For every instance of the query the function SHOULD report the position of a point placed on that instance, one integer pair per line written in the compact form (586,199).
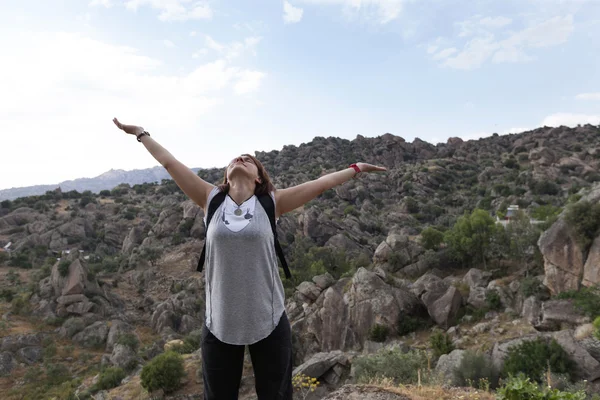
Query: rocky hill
(418,266)
(107,180)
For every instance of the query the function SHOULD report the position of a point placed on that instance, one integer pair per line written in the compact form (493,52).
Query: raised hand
(130,129)
(364,167)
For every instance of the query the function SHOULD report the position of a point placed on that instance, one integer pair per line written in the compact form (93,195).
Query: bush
(584,218)
(63,268)
(533,357)
(477,370)
(597,328)
(531,286)
(109,378)
(190,344)
(20,306)
(441,343)
(379,333)
(431,238)
(521,388)
(587,300)
(408,324)
(165,372)
(7,295)
(492,299)
(390,363)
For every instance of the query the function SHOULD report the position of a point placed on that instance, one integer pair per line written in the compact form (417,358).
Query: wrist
(356,169)
(139,135)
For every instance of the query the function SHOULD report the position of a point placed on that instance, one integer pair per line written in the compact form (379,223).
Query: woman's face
(243,164)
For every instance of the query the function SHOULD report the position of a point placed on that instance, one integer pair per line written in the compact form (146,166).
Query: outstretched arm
(191,184)
(291,198)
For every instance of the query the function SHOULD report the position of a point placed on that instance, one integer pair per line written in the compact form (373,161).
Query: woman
(244,294)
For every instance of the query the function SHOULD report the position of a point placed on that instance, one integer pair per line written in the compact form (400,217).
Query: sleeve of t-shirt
(211,196)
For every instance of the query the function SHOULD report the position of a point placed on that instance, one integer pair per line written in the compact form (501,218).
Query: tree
(521,236)
(431,238)
(470,237)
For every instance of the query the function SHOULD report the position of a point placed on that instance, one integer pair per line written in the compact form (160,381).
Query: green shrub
(129,340)
(441,343)
(63,268)
(521,388)
(477,370)
(50,351)
(57,374)
(379,333)
(533,357)
(431,238)
(109,378)
(408,324)
(584,218)
(20,306)
(7,295)
(390,363)
(165,372)
(597,328)
(587,300)
(492,299)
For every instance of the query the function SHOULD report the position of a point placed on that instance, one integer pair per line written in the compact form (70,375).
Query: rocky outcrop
(563,258)
(181,313)
(446,365)
(555,315)
(343,314)
(93,336)
(326,367)
(591,269)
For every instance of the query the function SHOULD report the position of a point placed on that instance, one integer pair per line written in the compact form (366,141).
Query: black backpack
(266,201)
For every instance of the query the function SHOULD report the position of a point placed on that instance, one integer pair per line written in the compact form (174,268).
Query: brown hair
(265,185)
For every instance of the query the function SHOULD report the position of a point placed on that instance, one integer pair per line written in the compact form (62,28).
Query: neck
(241,191)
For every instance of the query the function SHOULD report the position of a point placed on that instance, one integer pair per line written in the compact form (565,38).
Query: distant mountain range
(107,180)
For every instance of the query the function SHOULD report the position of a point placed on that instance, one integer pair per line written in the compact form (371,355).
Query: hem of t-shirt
(252,342)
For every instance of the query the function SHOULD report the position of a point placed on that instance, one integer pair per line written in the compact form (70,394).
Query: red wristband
(358,171)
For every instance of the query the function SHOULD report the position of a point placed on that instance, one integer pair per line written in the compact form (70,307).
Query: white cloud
(485,45)
(104,3)
(193,33)
(382,11)
(175,10)
(495,22)
(235,49)
(571,120)
(199,53)
(445,53)
(291,14)
(69,86)
(168,43)
(588,96)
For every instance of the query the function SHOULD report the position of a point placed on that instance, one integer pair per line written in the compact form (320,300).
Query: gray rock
(122,356)
(323,281)
(93,336)
(30,355)
(560,314)
(445,310)
(447,364)
(117,328)
(309,290)
(7,363)
(71,326)
(477,278)
(320,363)
(16,342)
(477,297)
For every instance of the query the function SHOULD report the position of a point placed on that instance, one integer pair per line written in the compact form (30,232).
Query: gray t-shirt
(244,294)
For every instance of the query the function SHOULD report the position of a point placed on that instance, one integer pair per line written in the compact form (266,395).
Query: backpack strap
(216,201)
(266,201)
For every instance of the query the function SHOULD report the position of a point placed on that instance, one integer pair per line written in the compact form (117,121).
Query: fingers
(117,123)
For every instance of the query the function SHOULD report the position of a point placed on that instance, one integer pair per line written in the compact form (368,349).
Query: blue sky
(213,79)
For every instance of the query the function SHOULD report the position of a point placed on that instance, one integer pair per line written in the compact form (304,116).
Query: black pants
(222,365)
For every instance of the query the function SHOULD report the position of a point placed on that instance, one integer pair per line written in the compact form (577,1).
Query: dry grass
(415,392)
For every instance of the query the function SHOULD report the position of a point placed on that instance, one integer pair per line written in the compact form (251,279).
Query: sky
(212,79)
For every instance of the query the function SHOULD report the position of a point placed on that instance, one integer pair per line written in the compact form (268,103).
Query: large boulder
(591,269)
(16,342)
(123,357)
(445,309)
(323,364)
(344,313)
(587,367)
(563,258)
(477,278)
(30,355)
(557,315)
(446,365)
(93,336)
